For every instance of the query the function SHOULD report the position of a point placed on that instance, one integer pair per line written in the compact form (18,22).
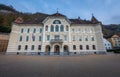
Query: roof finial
(57,10)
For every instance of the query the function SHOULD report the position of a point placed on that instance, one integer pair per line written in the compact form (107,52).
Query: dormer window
(56,22)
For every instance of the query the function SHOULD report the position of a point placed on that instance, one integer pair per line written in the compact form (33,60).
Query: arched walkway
(47,49)
(56,49)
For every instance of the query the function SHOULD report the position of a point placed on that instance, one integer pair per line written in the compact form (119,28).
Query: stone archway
(47,49)
(66,50)
(56,49)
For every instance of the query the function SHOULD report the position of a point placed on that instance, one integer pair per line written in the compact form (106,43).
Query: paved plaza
(60,66)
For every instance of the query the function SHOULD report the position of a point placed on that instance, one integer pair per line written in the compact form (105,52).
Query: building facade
(115,41)
(3,42)
(56,35)
(108,45)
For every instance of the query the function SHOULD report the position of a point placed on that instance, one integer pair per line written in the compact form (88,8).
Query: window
(40,30)
(80,38)
(32,48)
(28,31)
(57,28)
(92,38)
(19,47)
(87,47)
(52,28)
(74,47)
(48,37)
(67,28)
(57,37)
(81,47)
(39,47)
(56,22)
(86,38)
(61,28)
(79,30)
(27,38)
(26,47)
(22,30)
(65,38)
(93,46)
(20,38)
(46,28)
(85,30)
(40,38)
(73,30)
(34,31)
(73,38)
(33,37)
(92,30)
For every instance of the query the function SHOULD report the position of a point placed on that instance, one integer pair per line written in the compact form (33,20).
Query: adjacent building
(3,42)
(56,35)
(115,41)
(108,45)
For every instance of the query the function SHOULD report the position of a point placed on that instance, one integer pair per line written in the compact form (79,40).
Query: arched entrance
(56,49)
(47,49)
(66,50)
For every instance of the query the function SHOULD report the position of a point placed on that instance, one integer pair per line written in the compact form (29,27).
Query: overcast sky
(106,11)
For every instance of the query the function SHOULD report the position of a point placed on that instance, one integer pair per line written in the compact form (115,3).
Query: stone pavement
(60,66)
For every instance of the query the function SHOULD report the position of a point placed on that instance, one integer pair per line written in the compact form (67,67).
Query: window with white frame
(65,37)
(48,37)
(86,38)
(80,38)
(74,38)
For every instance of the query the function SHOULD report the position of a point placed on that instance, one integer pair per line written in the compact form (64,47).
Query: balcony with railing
(56,41)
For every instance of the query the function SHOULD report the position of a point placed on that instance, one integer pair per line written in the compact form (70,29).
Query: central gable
(56,19)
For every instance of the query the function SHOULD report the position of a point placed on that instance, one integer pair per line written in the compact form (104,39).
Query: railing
(56,41)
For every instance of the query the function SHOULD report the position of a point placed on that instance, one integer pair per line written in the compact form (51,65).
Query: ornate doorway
(56,49)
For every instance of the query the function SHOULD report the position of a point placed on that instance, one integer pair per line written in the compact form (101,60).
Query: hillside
(8,14)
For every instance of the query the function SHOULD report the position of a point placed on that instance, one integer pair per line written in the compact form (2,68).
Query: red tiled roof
(38,20)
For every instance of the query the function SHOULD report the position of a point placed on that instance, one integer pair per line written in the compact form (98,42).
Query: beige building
(3,42)
(56,35)
(115,41)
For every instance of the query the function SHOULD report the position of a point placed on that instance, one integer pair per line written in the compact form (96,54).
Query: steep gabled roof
(94,20)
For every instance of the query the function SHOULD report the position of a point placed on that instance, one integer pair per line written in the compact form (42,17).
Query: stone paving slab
(60,66)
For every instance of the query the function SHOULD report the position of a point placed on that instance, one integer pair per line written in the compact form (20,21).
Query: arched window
(86,38)
(81,47)
(19,47)
(22,30)
(57,28)
(34,31)
(87,47)
(20,38)
(67,28)
(92,38)
(93,46)
(61,28)
(28,31)
(56,22)
(26,47)
(32,47)
(74,47)
(52,28)
(46,28)
(40,38)
(27,38)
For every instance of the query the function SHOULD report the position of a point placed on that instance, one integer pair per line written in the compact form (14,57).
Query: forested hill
(8,14)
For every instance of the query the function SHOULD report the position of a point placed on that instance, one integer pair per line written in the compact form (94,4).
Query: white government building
(56,35)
